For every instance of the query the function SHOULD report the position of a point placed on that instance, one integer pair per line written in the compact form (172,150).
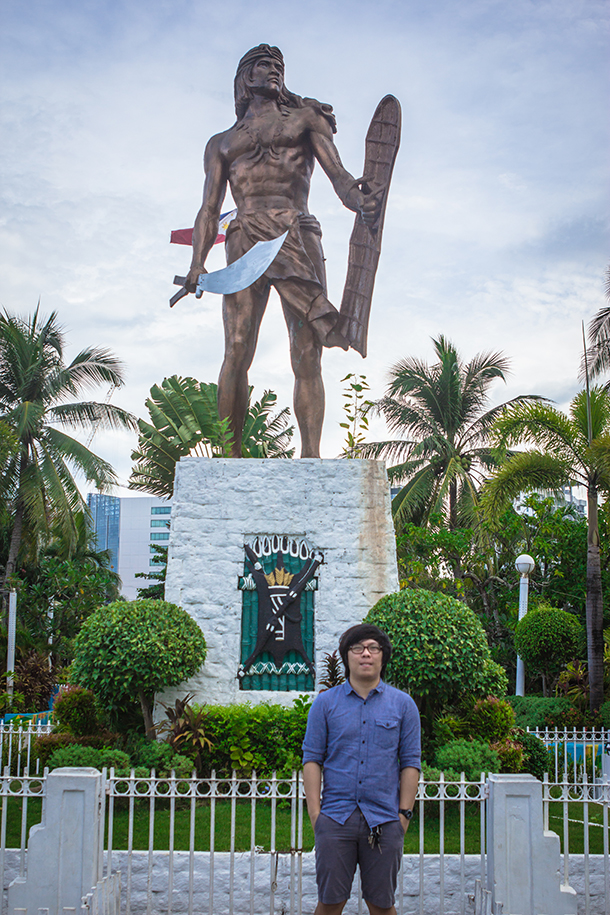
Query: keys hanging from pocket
(375,838)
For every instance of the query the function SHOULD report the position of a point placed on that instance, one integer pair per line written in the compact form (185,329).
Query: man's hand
(193,277)
(312,782)
(404,822)
(367,205)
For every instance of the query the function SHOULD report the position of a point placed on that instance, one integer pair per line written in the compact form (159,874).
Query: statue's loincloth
(300,256)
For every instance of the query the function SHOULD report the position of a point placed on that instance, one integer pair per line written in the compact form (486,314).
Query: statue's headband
(261,50)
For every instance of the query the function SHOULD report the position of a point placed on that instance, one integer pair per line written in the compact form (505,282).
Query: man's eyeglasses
(372,649)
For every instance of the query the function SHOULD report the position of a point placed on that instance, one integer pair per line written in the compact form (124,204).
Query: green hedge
(266,738)
(538,712)
(532,711)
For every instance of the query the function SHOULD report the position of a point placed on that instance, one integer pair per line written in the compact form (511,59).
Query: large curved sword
(238,275)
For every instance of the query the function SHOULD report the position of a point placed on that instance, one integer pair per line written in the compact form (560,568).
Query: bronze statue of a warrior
(267,157)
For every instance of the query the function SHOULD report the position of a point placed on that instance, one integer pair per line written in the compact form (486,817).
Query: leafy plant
(356,410)
(8,703)
(535,755)
(491,719)
(76,711)
(186,727)
(332,671)
(184,420)
(56,595)
(106,757)
(468,756)
(34,680)
(510,753)
(573,684)
(301,704)
(136,648)
(46,744)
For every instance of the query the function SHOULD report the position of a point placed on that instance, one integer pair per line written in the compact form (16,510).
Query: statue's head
(260,71)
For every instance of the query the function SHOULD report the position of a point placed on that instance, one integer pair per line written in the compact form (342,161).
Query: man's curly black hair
(364,631)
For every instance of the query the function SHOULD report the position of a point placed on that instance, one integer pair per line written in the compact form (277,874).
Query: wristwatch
(407,814)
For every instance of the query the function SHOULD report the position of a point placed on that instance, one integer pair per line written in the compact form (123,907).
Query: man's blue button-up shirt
(362,745)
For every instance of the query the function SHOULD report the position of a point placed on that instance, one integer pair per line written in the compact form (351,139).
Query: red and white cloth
(185,236)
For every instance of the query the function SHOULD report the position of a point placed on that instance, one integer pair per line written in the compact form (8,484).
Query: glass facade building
(106,520)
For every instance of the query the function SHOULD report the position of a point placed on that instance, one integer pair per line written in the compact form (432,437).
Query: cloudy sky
(497,228)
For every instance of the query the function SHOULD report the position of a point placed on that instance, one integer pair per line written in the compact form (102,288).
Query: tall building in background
(105,515)
(144,522)
(130,528)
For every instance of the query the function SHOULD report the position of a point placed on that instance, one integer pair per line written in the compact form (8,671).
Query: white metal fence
(243,845)
(573,751)
(235,845)
(16,742)
(104,898)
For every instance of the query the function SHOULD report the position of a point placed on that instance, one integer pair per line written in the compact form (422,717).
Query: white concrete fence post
(63,858)
(523,859)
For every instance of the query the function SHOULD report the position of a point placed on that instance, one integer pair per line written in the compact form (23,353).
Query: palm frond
(526,471)
(93,416)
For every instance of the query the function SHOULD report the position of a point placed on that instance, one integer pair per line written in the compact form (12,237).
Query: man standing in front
(366,736)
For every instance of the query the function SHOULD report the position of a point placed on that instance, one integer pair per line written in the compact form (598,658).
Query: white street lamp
(524,565)
(10,654)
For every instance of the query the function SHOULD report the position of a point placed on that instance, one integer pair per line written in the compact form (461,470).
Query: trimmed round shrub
(439,646)
(468,756)
(137,648)
(76,712)
(547,638)
(88,756)
(491,719)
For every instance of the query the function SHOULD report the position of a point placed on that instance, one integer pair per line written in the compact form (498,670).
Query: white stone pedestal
(523,861)
(63,859)
(341,507)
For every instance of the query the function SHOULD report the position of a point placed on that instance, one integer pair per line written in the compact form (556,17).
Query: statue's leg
(306,359)
(242,313)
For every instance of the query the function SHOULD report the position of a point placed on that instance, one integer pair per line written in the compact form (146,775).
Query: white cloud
(496,231)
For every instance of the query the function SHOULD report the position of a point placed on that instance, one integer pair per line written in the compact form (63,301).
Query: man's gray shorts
(338,850)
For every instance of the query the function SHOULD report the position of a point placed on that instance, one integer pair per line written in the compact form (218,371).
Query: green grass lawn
(282,842)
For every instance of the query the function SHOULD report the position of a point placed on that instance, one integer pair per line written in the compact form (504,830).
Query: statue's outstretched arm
(205,230)
(346,186)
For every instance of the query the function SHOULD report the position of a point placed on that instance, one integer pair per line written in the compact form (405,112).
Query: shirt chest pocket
(385,733)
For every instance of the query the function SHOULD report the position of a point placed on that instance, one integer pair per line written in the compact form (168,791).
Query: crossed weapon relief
(279,608)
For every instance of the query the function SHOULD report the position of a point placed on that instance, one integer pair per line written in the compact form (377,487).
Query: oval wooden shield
(381,148)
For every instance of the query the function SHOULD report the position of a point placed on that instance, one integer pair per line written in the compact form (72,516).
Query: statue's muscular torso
(269,158)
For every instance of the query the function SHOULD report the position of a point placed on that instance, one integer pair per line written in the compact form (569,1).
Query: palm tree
(598,354)
(36,387)
(440,412)
(568,450)
(184,421)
